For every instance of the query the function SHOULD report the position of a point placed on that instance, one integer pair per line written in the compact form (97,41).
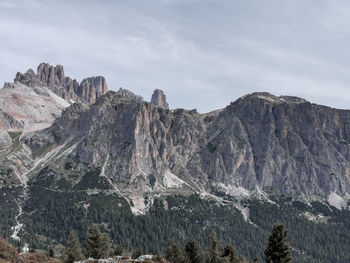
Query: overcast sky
(202,53)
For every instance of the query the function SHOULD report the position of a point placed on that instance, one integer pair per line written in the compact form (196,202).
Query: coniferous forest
(178,219)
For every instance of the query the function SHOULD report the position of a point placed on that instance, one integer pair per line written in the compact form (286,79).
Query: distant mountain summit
(34,100)
(65,87)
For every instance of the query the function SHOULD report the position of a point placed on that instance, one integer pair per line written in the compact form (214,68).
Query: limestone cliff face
(91,88)
(33,102)
(65,87)
(292,145)
(260,140)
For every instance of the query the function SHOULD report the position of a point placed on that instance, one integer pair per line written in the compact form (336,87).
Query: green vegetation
(278,250)
(119,250)
(136,253)
(192,252)
(320,242)
(15,136)
(9,210)
(97,245)
(73,249)
(92,180)
(174,254)
(53,213)
(36,152)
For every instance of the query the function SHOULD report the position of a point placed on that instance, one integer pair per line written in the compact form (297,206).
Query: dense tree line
(97,245)
(53,214)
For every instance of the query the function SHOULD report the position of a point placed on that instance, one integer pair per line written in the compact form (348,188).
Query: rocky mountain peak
(51,75)
(159,99)
(270,98)
(65,87)
(91,88)
(128,94)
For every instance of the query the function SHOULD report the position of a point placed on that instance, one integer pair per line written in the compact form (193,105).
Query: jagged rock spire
(159,99)
(53,77)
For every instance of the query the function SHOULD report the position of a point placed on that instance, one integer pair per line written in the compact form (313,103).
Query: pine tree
(97,245)
(213,253)
(73,250)
(158,257)
(136,253)
(51,253)
(231,254)
(119,250)
(192,252)
(278,250)
(174,254)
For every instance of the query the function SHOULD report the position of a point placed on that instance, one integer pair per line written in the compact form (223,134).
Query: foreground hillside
(9,255)
(149,174)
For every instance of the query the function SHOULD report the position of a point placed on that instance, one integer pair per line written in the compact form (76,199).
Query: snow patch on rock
(336,201)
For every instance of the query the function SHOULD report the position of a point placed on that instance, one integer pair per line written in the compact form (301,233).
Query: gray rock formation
(91,88)
(159,99)
(260,140)
(28,108)
(65,87)
(8,122)
(128,94)
(34,100)
(5,140)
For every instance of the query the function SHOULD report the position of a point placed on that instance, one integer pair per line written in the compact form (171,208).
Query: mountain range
(77,145)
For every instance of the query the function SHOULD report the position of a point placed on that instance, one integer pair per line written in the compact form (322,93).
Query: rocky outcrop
(8,122)
(159,99)
(50,75)
(128,94)
(5,139)
(65,87)
(91,88)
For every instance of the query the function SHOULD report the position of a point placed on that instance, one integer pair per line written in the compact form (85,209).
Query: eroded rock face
(34,100)
(65,87)
(91,88)
(8,122)
(50,75)
(28,108)
(259,140)
(159,99)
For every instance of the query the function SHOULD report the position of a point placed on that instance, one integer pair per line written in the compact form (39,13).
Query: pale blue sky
(202,53)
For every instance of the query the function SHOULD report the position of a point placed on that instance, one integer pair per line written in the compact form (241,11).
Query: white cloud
(204,54)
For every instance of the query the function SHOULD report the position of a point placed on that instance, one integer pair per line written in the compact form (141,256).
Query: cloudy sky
(202,53)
